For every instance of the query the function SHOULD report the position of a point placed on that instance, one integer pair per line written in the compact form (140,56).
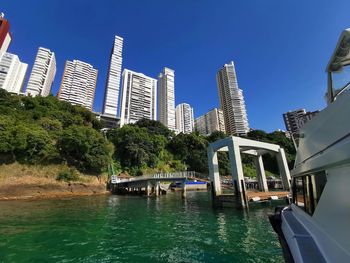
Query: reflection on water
(222,232)
(134,229)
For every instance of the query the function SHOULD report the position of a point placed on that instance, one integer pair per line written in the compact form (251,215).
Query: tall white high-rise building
(43,73)
(78,84)
(166,98)
(111,99)
(12,72)
(232,101)
(139,97)
(184,118)
(210,122)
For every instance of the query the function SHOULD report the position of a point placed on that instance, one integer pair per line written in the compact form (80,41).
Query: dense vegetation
(148,146)
(44,130)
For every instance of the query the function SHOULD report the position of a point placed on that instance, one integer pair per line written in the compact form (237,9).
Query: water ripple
(134,229)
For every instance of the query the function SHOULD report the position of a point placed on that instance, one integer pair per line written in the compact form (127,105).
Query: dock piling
(157,187)
(183,190)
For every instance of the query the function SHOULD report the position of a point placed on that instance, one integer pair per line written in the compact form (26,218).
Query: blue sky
(280,47)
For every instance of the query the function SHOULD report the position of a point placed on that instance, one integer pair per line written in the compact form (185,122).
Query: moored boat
(316,226)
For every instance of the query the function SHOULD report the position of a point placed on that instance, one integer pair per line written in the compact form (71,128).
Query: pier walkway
(151,184)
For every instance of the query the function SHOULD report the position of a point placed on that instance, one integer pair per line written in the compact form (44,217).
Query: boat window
(341,80)
(307,190)
(320,180)
(299,192)
(309,197)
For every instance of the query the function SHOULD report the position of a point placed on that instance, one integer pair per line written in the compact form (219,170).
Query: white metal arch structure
(235,146)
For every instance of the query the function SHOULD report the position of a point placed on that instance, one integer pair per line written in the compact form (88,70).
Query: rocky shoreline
(50,191)
(31,182)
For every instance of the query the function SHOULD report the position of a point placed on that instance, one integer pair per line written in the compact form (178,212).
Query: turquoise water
(135,229)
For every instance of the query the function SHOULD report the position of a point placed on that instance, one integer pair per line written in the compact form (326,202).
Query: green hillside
(46,131)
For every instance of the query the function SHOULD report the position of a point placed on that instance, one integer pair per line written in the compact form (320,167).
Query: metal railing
(184,174)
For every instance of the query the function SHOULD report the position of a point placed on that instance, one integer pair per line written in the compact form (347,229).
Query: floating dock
(251,197)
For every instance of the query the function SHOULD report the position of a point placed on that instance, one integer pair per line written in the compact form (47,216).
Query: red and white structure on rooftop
(5,36)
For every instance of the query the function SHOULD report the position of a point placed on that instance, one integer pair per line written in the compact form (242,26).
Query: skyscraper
(5,36)
(294,120)
(210,122)
(184,118)
(111,99)
(43,73)
(166,98)
(78,84)
(139,97)
(12,72)
(232,101)
(291,120)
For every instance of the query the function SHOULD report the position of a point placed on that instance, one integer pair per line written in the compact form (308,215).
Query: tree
(155,127)
(258,135)
(85,148)
(31,144)
(43,130)
(7,139)
(223,157)
(136,148)
(50,125)
(216,135)
(192,150)
(32,127)
(276,138)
